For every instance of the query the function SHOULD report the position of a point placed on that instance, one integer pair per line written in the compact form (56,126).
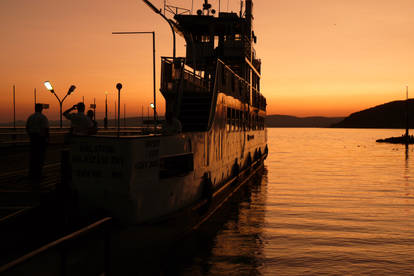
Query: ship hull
(144,178)
(125,178)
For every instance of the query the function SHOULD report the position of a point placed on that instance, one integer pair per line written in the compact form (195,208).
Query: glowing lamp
(49,86)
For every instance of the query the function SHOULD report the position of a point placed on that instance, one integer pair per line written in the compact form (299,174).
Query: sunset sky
(319,57)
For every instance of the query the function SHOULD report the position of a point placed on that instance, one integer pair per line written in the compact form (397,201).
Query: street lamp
(106,111)
(119,87)
(49,87)
(149,4)
(152,105)
(153,65)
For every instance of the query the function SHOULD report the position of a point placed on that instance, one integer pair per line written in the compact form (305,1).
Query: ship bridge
(219,55)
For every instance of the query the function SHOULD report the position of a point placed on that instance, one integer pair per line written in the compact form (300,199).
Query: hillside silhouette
(388,115)
(292,121)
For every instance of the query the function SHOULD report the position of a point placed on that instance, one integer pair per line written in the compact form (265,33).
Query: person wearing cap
(80,123)
(37,127)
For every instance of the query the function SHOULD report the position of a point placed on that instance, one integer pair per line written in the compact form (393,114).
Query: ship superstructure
(219,58)
(214,92)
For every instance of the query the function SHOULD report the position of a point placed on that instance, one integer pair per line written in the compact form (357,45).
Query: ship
(219,139)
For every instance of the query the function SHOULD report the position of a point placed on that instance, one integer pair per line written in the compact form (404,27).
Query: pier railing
(73,254)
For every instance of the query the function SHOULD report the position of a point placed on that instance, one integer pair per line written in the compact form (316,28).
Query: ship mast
(149,4)
(406,115)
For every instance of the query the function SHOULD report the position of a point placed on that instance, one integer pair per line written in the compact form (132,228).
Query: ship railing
(231,83)
(175,70)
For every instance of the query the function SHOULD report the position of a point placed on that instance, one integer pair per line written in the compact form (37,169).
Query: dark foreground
(44,236)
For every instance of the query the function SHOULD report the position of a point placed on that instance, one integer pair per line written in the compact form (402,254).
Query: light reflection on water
(330,202)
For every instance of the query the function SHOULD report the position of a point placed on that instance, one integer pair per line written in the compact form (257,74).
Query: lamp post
(149,4)
(106,111)
(94,108)
(155,115)
(119,87)
(14,107)
(153,65)
(49,87)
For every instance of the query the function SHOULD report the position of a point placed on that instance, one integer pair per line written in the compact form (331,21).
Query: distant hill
(389,115)
(292,121)
(271,121)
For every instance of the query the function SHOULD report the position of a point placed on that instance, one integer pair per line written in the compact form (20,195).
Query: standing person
(94,128)
(80,123)
(37,127)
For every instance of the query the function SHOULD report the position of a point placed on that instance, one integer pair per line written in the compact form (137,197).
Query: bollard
(63,190)
(65,173)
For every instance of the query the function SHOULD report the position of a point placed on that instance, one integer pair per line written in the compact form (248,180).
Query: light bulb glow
(48,86)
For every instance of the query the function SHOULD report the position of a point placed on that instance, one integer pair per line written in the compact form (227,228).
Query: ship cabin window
(229,37)
(253,120)
(237,120)
(205,38)
(246,120)
(233,120)
(228,119)
(262,123)
(237,37)
(257,122)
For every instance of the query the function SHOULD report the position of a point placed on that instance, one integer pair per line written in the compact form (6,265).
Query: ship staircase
(190,93)
(195,110)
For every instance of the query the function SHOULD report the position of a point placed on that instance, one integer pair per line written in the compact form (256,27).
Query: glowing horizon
(319,58)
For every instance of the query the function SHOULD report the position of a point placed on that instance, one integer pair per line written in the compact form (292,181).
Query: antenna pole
(14,107)
(149,4)
(241,8)
(153,68)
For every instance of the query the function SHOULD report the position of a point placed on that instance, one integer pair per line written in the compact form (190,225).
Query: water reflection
(332,202)
(232,242)
(406,154)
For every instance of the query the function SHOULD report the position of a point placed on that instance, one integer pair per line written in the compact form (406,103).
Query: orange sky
(319,57)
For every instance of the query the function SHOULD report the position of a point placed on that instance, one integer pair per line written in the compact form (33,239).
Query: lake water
(329,202)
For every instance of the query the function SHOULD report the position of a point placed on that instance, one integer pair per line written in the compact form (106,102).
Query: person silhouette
(37,127)
(80,123)
(94,128)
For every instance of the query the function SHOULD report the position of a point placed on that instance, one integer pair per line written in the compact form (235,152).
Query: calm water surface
(329,202)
